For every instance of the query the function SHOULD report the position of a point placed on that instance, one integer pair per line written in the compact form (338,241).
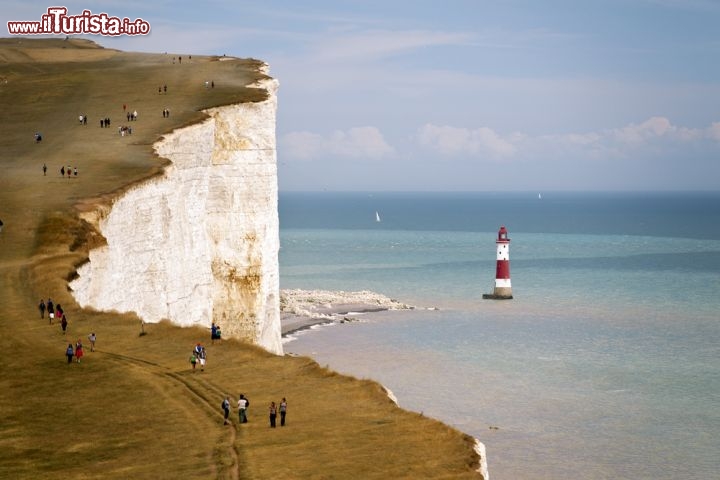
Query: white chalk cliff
(199,244)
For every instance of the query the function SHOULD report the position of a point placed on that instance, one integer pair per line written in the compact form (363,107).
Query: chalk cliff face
(199,244)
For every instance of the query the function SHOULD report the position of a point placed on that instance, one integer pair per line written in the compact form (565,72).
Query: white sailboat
(377,217)
(539,196)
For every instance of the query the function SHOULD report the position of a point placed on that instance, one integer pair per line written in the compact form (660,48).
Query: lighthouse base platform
(494,296)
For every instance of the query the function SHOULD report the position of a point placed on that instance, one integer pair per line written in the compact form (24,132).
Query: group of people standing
(56,311)
(198,355)
(282,407)
(215,333)
(53,311)
(70,170)
(78,353)
(243,404)
(131,117)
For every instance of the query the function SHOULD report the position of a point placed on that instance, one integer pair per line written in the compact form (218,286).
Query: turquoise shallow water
(604,365)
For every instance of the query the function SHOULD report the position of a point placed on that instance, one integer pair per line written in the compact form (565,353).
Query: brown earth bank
(134,408)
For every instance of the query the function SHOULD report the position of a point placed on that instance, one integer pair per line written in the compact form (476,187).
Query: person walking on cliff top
(64,323)
(193,360)
(201,355)
(242,409)
(44,169)
(58,311)
(51,310)
(226,410)
(283,411)
(69,353)
(41,307)
(273,414)
(78,350)
(92,338)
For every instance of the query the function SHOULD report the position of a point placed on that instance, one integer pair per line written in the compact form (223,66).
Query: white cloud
(651,137)
(713,131)
(453,141)
(358,142)
(656,128)
(649,129)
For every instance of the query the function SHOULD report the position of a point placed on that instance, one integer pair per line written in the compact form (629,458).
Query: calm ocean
(606,364)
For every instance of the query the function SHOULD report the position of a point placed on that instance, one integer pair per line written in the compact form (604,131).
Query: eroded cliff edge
(198,244)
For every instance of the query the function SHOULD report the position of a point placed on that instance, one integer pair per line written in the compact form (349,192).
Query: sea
(605,364)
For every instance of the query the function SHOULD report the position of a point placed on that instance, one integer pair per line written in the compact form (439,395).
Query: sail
(377,217)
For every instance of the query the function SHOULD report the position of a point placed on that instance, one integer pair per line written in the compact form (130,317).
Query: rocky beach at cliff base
(303,309)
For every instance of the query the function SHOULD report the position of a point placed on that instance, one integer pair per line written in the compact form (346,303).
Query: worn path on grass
(203,395)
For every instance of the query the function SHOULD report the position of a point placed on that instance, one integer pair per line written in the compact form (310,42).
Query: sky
(462,95)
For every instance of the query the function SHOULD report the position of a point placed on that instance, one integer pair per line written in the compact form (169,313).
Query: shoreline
(304,309)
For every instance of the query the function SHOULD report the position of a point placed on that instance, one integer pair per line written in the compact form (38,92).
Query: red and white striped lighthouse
(503,288)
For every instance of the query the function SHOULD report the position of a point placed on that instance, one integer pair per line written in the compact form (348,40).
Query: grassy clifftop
(133,408)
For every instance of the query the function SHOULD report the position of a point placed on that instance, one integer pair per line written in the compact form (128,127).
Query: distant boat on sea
(377,217)
(539,196)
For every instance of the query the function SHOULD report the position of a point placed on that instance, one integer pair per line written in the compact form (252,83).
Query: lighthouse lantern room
(503,287)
